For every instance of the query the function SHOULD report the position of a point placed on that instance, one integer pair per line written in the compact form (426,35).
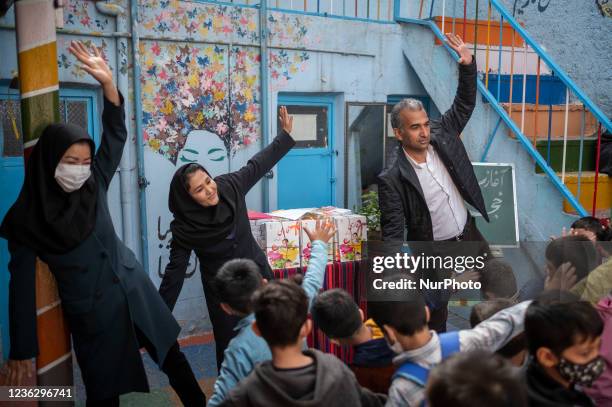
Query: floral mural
(184,88)
(284,65)
(191,86)
(83,14)
(199,20)
(187,87)
(290,30)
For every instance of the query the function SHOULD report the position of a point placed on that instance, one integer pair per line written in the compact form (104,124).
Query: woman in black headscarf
(210,217)
(111,306)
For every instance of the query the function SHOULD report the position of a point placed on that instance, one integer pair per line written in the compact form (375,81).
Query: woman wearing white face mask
(111,306)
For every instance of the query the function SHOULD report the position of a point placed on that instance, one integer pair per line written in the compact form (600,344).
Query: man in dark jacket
(425,189)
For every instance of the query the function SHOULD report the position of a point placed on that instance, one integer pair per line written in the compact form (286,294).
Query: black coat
(240,244)
(401,200)
(104,290)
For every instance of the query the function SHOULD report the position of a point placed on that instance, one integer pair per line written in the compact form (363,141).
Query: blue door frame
(11,179)
(318,183)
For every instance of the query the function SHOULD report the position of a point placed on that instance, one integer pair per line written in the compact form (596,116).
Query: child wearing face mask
(404,323)
(564,339)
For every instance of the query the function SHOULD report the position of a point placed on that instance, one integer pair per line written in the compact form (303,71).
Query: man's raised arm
(455,119)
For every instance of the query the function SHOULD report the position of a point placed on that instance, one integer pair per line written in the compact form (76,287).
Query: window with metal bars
(71,111)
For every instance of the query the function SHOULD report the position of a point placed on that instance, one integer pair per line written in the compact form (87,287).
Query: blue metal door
(76,106)
(306,175)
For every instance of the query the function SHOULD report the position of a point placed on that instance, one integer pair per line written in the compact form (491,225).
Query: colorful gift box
(306,246)
(351,233)
(288,246)
(281,242)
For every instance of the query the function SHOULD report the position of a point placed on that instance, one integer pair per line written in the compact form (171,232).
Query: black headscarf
(197,226)
(44,217)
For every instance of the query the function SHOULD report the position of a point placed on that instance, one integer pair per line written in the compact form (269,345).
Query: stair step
(481,37)
(557,121)
(587,188)
(508,64)
(572,156)
(552,89)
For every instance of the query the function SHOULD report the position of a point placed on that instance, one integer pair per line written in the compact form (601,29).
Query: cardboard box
(351,233)
(281,242)
(306,246)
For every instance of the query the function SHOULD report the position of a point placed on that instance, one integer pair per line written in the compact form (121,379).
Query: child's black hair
(281,308)
(476,378)
(336,313)
(497,279)
(235,283)
(557,320)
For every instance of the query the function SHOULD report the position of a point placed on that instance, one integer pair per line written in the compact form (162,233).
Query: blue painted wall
(218,48)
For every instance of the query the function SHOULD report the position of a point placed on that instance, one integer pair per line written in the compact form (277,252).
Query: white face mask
(71,177)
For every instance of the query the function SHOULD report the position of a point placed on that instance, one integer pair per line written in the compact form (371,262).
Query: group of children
(551,350)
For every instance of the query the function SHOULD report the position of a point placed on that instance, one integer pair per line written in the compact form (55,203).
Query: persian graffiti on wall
(521,5)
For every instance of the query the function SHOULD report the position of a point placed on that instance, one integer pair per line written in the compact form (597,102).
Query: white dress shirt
(445,203)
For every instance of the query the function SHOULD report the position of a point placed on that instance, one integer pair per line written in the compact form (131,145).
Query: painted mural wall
(201,98)
(201,94)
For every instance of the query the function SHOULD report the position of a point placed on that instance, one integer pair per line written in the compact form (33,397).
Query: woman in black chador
(111,306)
(210,217)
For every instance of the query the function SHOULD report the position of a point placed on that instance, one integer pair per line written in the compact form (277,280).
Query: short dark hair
(557,321)
(336,313)
(281,308)
(475,379)
(591,224)
(498,279)
(406,317)
(485,310)
(577,250)
(235,283)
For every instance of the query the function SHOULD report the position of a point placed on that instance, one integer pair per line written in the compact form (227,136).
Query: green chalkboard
(499,191)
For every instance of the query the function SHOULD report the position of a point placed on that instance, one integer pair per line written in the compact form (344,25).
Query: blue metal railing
(495,102)
(379,11)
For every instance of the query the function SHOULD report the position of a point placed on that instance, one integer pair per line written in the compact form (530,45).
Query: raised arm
(496,331)
(114,132)
(266,159)
(455,119)
(174,275)
(315,273)
(22,314)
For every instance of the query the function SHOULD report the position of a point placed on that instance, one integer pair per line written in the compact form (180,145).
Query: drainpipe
(142,181)
(265,104)
(125,166)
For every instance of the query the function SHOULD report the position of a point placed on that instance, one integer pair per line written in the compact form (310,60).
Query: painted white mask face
(71,177)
